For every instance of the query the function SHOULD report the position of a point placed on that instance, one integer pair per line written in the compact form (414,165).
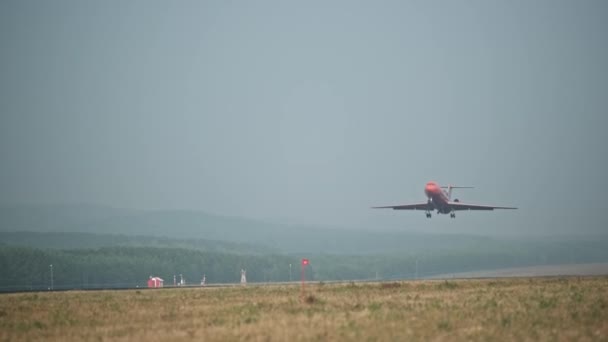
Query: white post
(243,277)
(51,276)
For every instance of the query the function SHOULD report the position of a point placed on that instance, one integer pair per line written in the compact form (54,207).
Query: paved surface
(594,269)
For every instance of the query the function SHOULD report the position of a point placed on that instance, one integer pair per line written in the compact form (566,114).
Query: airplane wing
(465,206)
(415,206)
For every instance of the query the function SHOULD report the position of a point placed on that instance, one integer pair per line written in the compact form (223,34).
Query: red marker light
(304,262)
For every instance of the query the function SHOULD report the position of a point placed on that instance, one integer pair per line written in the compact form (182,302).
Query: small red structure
(155,282)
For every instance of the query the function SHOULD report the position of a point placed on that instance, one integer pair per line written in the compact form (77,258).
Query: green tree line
(29,268)
(25,268)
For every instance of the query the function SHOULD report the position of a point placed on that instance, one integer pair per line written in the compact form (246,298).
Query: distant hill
(96,245)
(55,217)
(179,224)
(193,229)
(75,240)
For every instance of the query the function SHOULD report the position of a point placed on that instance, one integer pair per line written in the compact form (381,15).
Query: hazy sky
(310,111)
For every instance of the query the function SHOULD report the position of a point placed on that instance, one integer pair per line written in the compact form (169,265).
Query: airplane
(441,201)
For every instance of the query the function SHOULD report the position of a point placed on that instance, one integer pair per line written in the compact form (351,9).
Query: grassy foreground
(505,309)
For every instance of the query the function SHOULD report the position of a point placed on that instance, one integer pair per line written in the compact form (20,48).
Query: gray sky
(310,111)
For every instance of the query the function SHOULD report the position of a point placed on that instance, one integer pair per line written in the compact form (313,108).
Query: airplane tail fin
(450,187)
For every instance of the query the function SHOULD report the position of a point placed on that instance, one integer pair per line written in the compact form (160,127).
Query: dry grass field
(555,309)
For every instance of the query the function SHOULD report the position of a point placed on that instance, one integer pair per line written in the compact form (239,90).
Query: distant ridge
(76,240)
(182,225)
(86,239)
(185,224)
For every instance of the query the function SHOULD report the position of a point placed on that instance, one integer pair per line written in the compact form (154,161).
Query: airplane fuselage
(438,198)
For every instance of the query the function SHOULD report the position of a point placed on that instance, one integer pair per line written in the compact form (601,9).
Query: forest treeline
(28,268)
(93,247)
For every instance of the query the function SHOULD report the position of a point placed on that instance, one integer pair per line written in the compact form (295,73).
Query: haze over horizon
(310,113)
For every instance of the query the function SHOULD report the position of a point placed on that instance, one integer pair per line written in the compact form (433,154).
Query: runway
(590,269)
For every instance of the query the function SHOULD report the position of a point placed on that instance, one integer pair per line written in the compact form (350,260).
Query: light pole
(305,263)
(51,266)
(289,272)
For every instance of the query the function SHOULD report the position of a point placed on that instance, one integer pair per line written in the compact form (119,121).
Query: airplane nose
(430,189)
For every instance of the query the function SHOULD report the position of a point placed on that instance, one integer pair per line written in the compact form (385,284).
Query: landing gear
(453,215)
(429,207)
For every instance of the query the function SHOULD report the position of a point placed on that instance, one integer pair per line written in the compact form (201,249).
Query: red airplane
(441,200)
